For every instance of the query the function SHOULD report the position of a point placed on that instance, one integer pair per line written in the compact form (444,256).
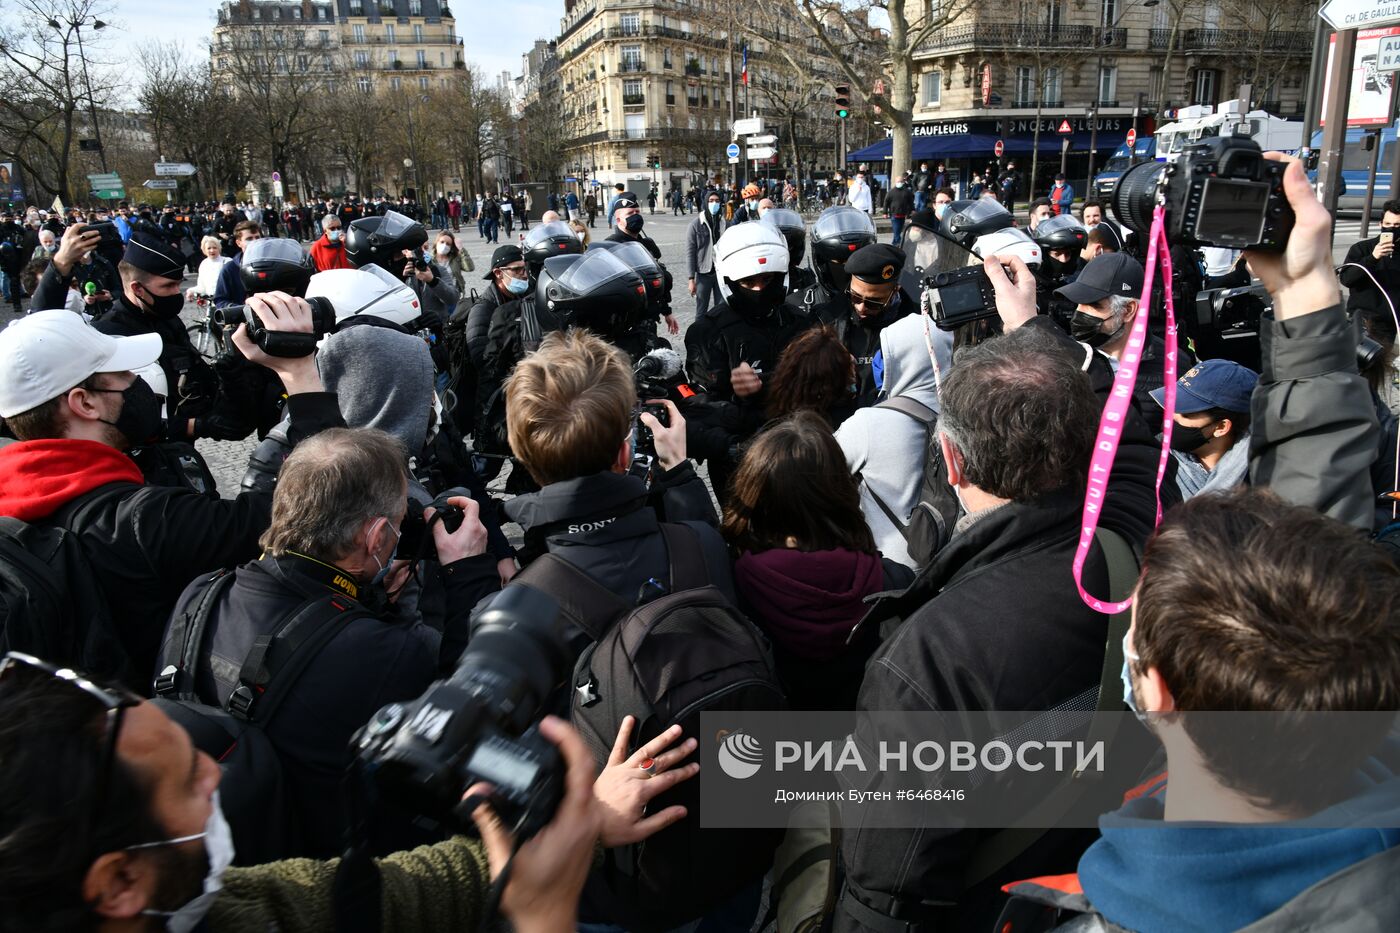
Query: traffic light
(843,101)
(656,161)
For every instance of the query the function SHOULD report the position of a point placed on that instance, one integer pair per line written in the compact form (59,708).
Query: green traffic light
(843,113)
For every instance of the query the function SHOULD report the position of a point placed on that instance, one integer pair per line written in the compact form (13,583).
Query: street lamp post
(87,79)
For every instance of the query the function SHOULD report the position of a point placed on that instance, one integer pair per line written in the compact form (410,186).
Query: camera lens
(231,316)
(1134,197)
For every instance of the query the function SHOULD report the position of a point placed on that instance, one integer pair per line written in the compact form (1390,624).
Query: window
(670,92)
(422,59)
(1108,86)
(357,8)
(1050,91)
(417,33)
(1025,86)
(442,59)
(636,155)
(389,32)
(303,63)
(933,10)
(422,84)
(278,39)
(1110,13)
(282,63)
(363,85)
(1155,89)
(1053,9)
(1204,91)
(631,24)
(415,7)
(296,12)
(933,88)
(632,93)
(631,58)
(392,57)
(358,31)
(325,37)
(326,63)
(666,57)
(361,59)
(1160,17)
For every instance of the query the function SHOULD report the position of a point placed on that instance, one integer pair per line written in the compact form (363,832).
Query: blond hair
(204,243)
(569,407)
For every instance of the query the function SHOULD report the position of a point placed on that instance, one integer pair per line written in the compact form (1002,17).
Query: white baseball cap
(47,353)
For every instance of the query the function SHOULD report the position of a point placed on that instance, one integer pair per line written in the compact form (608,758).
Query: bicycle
(206,334)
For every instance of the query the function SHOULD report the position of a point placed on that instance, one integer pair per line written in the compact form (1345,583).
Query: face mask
(384,567)
(333,235)
(752,303)
(1128,699)
(165,307)
(51,248)
(714,207)
(444,249)
(581,234)
(139,419)
(762,211)
(218,848)
(517,286)
(1054,268)
(1086,328)
(1185,440)
(634,224)
(939,210)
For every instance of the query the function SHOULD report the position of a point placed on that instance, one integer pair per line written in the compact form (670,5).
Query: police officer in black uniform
(837,234)
(873,300)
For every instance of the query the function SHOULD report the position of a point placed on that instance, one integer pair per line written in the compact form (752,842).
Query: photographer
(131,834)
(68,393)
(1377,257)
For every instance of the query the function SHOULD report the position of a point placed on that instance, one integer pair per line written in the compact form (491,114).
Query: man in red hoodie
(68,393)
(328,252)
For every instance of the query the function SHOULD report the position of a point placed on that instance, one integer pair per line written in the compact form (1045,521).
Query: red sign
(1131,138)
(999,148)
(986,85)
(1065,129)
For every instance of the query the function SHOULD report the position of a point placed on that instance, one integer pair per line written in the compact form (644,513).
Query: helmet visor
(394,225)
(268,249)
(1053,225)
(835,221)
(594,270)
(542,232)
(636,257)
(784,219)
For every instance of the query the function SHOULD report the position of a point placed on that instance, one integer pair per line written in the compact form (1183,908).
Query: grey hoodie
(383,378)
(886,448)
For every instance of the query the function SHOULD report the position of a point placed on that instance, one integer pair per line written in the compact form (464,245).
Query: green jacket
(440,887)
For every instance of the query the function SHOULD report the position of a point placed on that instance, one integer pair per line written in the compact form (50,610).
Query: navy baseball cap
(1110,274)
(1212,384)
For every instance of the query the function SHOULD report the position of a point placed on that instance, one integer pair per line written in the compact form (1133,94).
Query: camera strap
(1115,412)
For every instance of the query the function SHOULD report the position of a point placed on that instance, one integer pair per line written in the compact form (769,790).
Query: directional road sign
(105,180)
(732,150)
(174,169)
(767,140)
(748,127)
(762,152)
(107,194)
(161,184)
(999,148)
(1360,14)
(1388,54)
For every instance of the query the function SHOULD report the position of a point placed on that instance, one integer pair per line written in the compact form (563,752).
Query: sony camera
(961,296)
(416,532)
(279,343)
(479,724)
(1219,192)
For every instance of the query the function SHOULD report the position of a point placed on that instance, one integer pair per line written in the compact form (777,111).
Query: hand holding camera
(278,313)
(77,240)
(1300,278)
(1014,285)
(460,534)
(667,431)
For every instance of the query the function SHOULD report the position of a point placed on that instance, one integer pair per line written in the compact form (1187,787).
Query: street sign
(732,150)
(276,176)
(999,148)
(879,86)
(1360,14)
(1131,138)
(570,179)
(277,188)
(105,180)
(1065,129)
(174,169)
(1369,98)
(762,152)
(748,127)
(161,184)
(734,161)
(107,194)
(1388,54)
(767,140)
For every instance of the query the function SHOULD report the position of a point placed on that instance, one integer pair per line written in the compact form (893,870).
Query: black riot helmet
(546,240)
(965,221)
(790,225)
(637,258)
(1062,232)
(838,232)
(276,265)
(381,240)
(596,291)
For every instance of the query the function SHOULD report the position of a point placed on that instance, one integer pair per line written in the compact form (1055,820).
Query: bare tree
(474,125)
(192,118)
(49,87)
(1269,28)
(355,114)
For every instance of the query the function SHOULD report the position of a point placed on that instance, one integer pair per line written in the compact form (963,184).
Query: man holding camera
(1371,272)
(68,393)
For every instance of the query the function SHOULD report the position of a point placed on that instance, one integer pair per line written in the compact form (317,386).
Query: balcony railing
(1231,40)
(632,65)
(632,100)
(642,133)
(1025,35)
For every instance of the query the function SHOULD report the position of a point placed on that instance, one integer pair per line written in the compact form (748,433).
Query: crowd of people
(820,498)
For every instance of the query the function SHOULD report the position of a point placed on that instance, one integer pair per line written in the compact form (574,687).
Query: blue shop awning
(980,145)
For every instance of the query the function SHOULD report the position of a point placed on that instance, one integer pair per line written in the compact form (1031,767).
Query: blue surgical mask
(1128,699)
(517,286)
(384,567)
(714,207)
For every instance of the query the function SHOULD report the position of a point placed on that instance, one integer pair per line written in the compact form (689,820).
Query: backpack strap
(278,658)
(908,406)
(185,641)
(685,556)
(531,333)
(589,605)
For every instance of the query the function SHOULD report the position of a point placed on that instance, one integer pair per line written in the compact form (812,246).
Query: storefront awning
(982,145)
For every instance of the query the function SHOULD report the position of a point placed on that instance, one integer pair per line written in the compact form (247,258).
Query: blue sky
(495,33)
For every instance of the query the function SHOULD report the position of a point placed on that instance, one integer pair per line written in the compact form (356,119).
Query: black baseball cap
(504,256)
(1108,275)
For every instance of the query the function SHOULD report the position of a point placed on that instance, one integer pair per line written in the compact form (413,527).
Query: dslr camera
(280,343)
(1219,192)
(961,296)
(479,724)
(416,533)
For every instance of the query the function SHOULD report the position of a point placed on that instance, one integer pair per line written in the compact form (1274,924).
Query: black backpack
(935,513)
(665,661)
(263,825)
(50,605)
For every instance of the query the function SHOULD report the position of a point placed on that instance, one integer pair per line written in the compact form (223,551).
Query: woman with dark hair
(806,559)
(815,373)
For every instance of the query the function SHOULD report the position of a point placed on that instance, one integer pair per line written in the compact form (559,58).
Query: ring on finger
(648,767)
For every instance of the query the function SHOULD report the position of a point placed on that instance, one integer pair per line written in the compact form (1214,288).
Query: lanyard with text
(1115,412)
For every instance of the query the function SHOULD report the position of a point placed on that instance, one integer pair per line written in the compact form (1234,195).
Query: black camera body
(478,724)
(111,237)
(644,441)
(1219,192)
(416,532)
(961,296)
(279,343)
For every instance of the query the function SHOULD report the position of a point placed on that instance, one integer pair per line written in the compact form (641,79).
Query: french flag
(744,67)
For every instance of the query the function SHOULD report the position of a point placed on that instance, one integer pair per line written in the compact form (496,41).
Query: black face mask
(759,303)
(1086,328)
(165,307)
(1185,440)
(1056,269)
(139,419)
(633,224)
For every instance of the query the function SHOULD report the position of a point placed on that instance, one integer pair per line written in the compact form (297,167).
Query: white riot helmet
(1013,241)
(749,249)
(367,290)
(154,377)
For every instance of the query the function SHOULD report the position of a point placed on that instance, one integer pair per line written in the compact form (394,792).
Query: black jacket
(619,236)
(899,202)
(862,338)
(722,338)
(374,659)
(993,623)
(1362,293)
